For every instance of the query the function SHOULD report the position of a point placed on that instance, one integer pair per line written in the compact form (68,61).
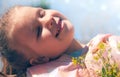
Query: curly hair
(14,63)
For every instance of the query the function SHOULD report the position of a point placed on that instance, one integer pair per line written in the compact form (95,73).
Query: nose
(46,21)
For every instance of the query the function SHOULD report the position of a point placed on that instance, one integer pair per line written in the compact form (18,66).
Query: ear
(39,60)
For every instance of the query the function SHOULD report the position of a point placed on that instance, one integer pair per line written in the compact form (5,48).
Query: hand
(73,70)
(96,40)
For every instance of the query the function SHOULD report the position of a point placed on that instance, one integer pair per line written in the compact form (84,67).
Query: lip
(59,25)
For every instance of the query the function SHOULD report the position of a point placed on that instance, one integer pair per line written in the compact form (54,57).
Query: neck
(74,46)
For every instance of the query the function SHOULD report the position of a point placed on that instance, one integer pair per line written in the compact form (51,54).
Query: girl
(31,36)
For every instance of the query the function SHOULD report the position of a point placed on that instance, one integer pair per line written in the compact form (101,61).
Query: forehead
(23,18)
(25,13)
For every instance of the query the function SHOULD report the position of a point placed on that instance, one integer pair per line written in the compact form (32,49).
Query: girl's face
(39,32)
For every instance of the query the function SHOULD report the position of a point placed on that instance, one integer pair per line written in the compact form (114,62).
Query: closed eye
(38,31)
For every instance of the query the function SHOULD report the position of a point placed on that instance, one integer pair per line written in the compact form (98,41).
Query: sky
(89,17)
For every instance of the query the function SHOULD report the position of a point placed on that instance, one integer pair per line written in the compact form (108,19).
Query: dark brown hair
(14,63)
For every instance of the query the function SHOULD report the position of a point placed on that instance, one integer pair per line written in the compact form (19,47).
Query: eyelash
(38,31)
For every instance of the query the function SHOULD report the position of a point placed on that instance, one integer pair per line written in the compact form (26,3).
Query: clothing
(63,67)
(76,53)
(111,48)
(79,52)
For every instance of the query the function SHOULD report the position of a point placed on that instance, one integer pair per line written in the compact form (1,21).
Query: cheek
(46,34)
(48,45)
(48,38)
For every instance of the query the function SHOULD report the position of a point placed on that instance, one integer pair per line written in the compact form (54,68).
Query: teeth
(59,27)
(57,33)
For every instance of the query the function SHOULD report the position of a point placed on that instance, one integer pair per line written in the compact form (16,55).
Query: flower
(108,69)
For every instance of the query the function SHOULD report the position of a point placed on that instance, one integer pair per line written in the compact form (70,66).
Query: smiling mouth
(59,27)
